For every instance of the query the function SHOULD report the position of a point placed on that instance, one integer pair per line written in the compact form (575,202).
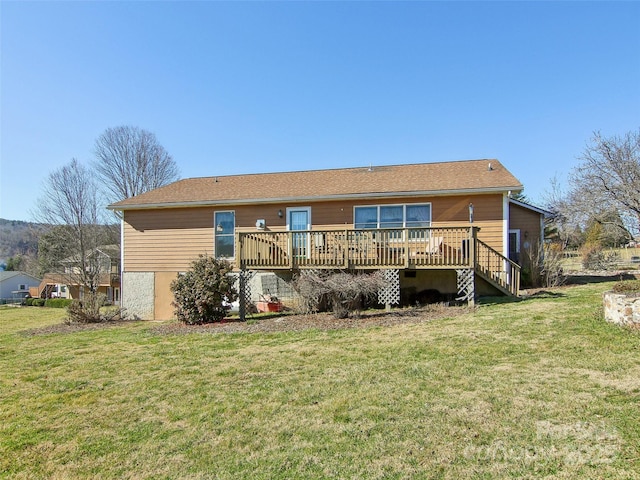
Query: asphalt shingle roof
(435,178)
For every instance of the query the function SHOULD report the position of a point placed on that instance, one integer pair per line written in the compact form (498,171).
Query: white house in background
(15,286)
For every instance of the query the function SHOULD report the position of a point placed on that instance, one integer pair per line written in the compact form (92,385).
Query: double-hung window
(224,232)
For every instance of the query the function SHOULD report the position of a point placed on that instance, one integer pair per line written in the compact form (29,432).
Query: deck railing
(360,249)
(419,248)
(497,268)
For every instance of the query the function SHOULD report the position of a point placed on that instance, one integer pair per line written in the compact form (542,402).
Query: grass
(537,388)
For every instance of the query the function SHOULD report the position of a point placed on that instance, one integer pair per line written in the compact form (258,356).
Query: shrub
(627,287)
(38,302)
(594,258)
(542,266)
(343,291)
(57,302)
(205,293)
(89,310)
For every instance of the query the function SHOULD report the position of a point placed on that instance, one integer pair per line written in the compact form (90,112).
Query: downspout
(121,216)
(121,252)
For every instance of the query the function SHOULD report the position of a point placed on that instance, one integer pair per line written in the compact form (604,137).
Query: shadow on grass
(585,279)
(498,300)
(540,294)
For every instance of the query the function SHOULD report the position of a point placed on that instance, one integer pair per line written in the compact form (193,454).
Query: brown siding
(528,222)
(487,215)
(168,240)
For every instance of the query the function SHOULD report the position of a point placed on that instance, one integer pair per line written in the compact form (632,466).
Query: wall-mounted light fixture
(280,213)
(471,213)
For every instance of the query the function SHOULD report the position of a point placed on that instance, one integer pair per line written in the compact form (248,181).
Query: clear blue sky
(243,87)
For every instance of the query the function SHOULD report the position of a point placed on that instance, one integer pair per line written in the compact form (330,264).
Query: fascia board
(528,206)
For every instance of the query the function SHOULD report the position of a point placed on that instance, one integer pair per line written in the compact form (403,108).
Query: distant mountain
(18,238)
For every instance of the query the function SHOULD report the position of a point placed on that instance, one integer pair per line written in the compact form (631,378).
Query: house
(14,286)
(449,227)
(65,283)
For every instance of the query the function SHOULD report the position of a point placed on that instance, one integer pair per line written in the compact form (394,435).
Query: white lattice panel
(466,284)
(391,294)
(244,292)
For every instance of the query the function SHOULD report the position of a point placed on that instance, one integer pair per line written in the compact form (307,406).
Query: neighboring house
(65,284)
(450,227)
(14,286)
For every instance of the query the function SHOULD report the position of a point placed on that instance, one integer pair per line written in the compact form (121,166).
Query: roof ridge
(366,167)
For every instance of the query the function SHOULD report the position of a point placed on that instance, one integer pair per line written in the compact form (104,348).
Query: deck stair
(496,269)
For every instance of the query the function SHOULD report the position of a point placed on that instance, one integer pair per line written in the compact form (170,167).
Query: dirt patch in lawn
(282,323)
(74,327)
(318,321)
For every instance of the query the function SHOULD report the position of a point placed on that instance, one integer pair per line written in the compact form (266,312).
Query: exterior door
(299,219)
(514,246)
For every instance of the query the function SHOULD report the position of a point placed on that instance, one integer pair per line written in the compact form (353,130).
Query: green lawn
(537,388)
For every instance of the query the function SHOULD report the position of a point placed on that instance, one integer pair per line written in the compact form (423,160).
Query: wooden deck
(404,248)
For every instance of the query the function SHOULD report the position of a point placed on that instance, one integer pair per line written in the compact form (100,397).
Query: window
(415,215)
(224,228)
(418,216)
(22,286)
(391,216)
(366,217)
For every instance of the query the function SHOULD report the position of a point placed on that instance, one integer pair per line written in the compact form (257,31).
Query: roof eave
(314,198)
(539,210)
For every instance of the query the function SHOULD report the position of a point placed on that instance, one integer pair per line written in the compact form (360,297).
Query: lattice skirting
(466,284)
(391,294)
(244,292)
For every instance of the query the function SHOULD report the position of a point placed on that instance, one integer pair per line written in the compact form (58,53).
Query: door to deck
(299,219)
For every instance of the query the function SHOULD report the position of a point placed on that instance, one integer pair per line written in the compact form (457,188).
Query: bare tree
(604,188)
(70,205)
(608,180)
(130,161)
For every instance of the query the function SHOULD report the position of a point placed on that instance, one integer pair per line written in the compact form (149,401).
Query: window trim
(301,241)
(216,234)
(404,213)
(298,209)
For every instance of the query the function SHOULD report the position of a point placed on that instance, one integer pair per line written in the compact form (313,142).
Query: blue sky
(245,87)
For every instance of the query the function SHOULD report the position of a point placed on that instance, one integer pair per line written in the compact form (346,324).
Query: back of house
(432,226)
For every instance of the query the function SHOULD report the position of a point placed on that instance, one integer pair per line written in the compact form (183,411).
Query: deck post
(242,301)
(406,248)
(244,292)
(345,249)
(238,245)
(290,249)
(472,263)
